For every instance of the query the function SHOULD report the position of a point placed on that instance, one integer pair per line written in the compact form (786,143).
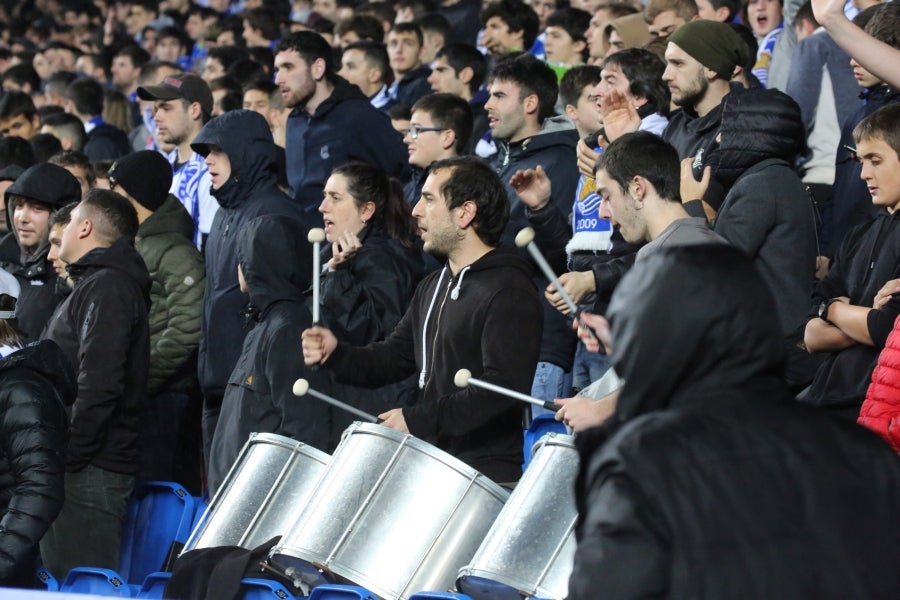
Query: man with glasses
(439,128)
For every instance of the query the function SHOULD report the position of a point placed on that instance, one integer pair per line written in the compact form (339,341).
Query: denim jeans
(589,367)
(88,531)
(550,382)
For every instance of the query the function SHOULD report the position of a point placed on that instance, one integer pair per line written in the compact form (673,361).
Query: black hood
(47,184)
(121,256)
(246,138)
(46,359)
(692,325)
(276,260)
(343,90)
(757,124)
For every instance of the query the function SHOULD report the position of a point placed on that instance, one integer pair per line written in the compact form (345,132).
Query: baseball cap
(180,85)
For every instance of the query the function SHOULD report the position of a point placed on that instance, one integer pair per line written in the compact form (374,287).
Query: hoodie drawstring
(455,293)
(437,290)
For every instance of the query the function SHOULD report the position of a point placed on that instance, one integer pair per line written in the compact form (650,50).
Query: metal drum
(264,491)
(531,547)
(393,514)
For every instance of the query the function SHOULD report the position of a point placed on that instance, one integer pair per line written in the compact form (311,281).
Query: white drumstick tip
(461,379)
(315,235)
(524,237)
(301,386)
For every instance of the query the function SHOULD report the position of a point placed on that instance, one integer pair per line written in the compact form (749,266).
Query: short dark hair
(61,216)
(883,124)
(518,16)
(139,57)
(734,9)
(366,27)
(112,214)
(22,74)
(175,33)
(44,145)
(574,81)
(266,20)
(643,154)
(228,55)
(73,158)
(13,104)
(533,77)
(435,22)
(884,25)
(67,124)
(311,47)
(573,20)
(449,111)
(409,28)
(16,151)
(460,56)
(644,71)
(375,55)
(473,179)
(87,95)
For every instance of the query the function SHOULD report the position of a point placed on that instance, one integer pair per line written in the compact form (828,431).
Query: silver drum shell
(393,514)
(531,547)
(264,491)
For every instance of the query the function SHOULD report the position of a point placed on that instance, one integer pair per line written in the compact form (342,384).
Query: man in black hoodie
(480,312)
(332,122)
(102,328)
(36,194)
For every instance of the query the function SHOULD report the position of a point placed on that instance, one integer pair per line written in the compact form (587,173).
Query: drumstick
(525,239)
(301,388)
(464,377)
(315,236)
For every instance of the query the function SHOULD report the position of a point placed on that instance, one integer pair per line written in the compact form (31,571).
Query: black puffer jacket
(35,383)
(54,187)
(766,211)
(250,192)
(709,482)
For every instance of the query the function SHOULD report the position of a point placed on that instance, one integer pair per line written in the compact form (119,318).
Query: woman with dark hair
(35,382)
(371,270)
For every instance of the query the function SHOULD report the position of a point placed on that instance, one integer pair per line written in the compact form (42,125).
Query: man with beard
(480,312)
(182,104)
(331,121)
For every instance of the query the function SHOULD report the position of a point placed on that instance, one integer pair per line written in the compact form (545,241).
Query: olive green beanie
(714,45)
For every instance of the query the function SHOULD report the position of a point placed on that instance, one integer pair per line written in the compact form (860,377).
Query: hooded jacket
(250,192)
(708,481)
(102,328)
(414,85)
(54,187)
(35,383)
(486,318)
(767,212)
(178,274)
(345,127)
(276,261)
(880,411)
(362,302)
(553,149)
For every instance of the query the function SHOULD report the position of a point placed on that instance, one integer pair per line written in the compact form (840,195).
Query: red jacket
(881,410)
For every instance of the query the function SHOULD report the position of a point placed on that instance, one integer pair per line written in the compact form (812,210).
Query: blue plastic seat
(97,581)
(334,591)
(159,520)
(47,579)
(264,589)
(540,426)
(439,596)
(154,585)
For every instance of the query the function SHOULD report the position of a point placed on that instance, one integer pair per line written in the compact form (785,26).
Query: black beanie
(144,175)
(714,45)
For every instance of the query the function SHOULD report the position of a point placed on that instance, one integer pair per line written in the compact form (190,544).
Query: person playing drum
(480,312)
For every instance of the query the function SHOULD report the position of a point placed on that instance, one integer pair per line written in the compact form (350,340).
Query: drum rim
(283,441)
(431,451)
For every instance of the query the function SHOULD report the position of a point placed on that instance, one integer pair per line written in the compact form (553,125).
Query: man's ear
(466,213)
(531,104)
(465,75)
